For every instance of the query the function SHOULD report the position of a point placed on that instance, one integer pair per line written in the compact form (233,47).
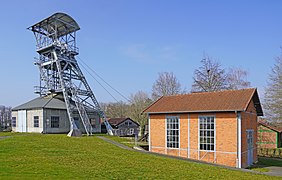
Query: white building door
(250,136)
(21,121)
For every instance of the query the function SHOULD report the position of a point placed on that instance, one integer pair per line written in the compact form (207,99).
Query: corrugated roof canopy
(230,100)
(63,23)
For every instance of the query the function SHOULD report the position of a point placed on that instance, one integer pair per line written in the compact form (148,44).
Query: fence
(270,152)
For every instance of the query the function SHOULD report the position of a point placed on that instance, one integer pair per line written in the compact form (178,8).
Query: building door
(250,136)
(21,121)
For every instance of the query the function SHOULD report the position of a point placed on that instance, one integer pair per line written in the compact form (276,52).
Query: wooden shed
(123,126)
(216,127)
(269,135)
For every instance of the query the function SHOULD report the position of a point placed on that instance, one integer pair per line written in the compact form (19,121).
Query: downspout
(239,139)
(149,136)
(188,136)
(277,139)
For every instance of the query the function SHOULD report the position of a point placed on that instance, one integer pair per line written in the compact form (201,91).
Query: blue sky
(128,42)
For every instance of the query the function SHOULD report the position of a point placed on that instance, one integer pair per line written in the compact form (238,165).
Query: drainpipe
(149,136)
(239,139)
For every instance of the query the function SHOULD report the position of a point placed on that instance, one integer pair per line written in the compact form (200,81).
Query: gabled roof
(270,126)
(220,101)
(117,121)
(48,102)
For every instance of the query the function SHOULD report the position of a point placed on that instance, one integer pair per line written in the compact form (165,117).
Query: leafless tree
(209,77)
(139,101)
(273,93)
(5,117)
(115,110)
(166,84)
(237,78)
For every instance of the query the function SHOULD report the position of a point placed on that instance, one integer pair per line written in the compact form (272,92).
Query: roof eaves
(250,99)
(144,111)
(270,127)
(200,111)
(255,93)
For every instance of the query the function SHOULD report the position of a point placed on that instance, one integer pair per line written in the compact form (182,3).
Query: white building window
(55,121)
(206,133)
(14,122)
(172,132)
(35,121)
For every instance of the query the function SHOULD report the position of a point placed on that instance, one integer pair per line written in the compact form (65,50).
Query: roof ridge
(51,97)
(211,92)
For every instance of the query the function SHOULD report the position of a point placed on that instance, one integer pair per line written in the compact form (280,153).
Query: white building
(48,115)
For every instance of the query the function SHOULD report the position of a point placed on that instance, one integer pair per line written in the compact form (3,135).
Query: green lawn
(36,156)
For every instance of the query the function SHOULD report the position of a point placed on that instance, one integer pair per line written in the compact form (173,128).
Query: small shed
(269,135)
(123,126)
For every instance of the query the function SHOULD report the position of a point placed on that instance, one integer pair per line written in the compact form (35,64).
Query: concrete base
(74,133)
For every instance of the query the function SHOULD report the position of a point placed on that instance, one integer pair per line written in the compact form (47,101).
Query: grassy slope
(57,156)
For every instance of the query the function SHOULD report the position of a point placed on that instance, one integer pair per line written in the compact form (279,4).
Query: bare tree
(237,78)
(273,93)
(5,117)
(139,102)
(166,84)
(209,77)
(115,110)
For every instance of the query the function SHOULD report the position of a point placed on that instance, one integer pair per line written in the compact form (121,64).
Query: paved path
(115,143)
(4,137)
(273,170)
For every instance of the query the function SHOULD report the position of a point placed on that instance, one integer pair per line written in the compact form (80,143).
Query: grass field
(36,156)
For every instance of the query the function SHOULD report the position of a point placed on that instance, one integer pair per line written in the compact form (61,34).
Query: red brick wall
(249,122)
(226,137)
(266,137)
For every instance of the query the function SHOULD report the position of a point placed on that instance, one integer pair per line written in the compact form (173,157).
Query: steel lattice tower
(59,70)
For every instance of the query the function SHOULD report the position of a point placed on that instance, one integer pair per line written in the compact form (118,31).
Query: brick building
(269,135)
(217,127)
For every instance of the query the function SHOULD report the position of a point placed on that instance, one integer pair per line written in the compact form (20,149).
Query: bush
(270,152)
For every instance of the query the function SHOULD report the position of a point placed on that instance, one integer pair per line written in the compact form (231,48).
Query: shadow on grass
(264,162)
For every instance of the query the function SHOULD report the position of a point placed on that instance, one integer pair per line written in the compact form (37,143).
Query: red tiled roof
(228,100)
(270,126)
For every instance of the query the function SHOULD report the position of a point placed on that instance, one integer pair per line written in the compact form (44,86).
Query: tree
(209,77)
(138,102)
(166,85)
(237,78)
(115,110)
(273,93)
(5,117)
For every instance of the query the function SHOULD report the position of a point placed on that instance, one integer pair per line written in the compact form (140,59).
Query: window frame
(207,133)
(36,124)
(14,121)
(170,142)
(52,123)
